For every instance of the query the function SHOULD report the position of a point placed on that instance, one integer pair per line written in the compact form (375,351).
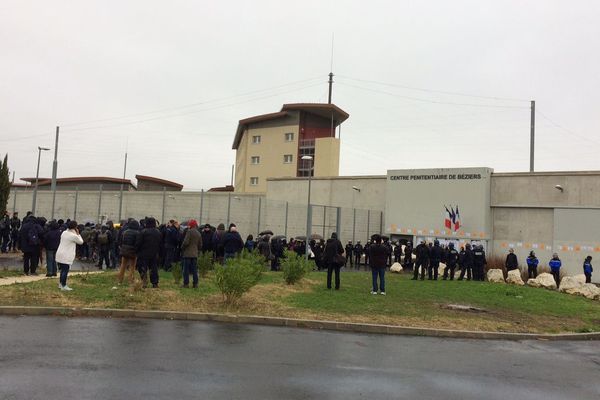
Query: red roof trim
(159,181)
(48,181)
(252,120)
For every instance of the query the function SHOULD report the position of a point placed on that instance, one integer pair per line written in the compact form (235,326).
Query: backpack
(33,238)
(103,238)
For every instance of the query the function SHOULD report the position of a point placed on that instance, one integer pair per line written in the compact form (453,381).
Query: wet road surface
(79,358)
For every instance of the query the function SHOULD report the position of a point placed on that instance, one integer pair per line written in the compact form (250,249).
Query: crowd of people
(145,246)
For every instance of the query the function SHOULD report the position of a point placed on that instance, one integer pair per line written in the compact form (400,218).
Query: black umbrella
(300,238)
(316,236)
(278,237)
(267,232)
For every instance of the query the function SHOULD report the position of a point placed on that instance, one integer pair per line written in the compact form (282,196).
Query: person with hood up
(51,242)
(207,244)
(191,245)
(65,254)
(264,248)
(31,236)
(334,259)
(250,244)
(127,250)
(555,265)
(532,263)
(232,243)
(217,242)
(147,247)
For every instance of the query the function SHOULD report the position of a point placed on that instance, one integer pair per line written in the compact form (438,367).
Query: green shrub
(177,272)
(237,276)
(294,267)
(205,264)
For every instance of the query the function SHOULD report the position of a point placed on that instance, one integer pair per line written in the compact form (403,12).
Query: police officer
(358,250)
(15,225)
(397,253)
(367,252)
(349,249)
(451,259)
(422,253)
(479,263)
(408,250)
(435,256)
(467,263)
(388,247)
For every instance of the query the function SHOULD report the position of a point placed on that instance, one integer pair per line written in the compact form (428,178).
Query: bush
(177,272)
(237,276)
(205,264)
(294,267)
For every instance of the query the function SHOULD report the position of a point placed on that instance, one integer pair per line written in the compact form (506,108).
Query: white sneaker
(372,292)
(66,287)
(382,293)
(60,286)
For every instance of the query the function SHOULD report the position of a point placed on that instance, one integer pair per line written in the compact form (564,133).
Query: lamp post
(37,177)
(309,160)
(355,189)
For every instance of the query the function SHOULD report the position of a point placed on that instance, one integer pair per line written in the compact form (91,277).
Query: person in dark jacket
(31,236)
(422,258)
(358,252)
(171,243)
(127,250)
(467,263)
(232,243)
(588,269)
(318,251)
(378,258)
(15,226)
(408,251)
(366,252)
(532,263)
(331,257)
(511,260)
(388,246)
(397,253)
(51,242)
(191,245)
(104,242)
(217,241)
(435,256)
(147,246)
(250,243)
(479,263)
(349,249)
(278,246)
(264,248)
(451,260)
(5,232)
(207,244)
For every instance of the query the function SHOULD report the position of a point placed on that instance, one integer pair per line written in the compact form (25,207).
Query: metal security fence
(251,213)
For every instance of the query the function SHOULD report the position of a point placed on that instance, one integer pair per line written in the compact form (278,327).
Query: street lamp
(37,176)
(356,189)
(309,160)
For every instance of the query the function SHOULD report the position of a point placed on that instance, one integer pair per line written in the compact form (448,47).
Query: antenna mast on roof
(331,72)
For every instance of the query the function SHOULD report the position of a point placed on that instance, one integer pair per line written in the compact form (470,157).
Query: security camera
(558,187)
(356,188)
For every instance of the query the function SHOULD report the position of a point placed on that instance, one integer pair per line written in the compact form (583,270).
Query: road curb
(289,322)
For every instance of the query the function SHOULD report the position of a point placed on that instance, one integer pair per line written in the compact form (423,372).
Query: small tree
(4,185)
(295,267)
(237,276)
(205,264)
(177,271)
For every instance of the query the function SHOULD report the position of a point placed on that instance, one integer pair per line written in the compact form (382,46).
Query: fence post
(324,220)
(381,222)
(99,203)
(15,200)
(354,225)
(76,200)
(201,205)
(368,223)
(338,221)
(286,219)
(228,208)
(258,224)
(162,216)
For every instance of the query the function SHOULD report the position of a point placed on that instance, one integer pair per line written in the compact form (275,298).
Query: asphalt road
(61,358)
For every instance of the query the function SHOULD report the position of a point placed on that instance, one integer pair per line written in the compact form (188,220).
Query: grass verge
(408,303)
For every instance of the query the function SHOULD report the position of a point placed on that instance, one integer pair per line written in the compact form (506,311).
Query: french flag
(456,219)
(448,219)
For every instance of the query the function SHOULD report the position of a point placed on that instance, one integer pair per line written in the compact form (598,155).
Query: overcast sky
(168,80)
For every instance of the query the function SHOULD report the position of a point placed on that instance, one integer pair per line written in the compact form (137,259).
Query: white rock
(543,280)
(396,267)
(579,278)
(495,276)
(569,283)
(514,278)
(588,290)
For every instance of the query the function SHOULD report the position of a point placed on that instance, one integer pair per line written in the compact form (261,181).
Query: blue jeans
(64,271)
(190,266)
(378,272)
(50,262)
